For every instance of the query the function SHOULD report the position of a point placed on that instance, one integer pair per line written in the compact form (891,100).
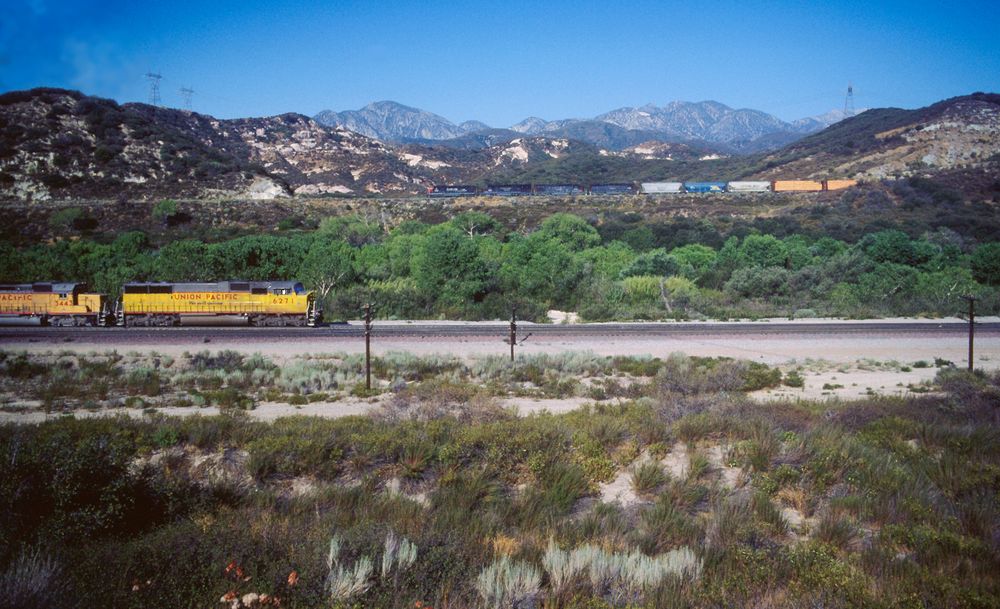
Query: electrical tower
(849,101)
(154,88)
(186,93)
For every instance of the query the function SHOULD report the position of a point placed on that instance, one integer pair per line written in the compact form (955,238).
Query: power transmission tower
(154,88)
(186,93)
(849,101)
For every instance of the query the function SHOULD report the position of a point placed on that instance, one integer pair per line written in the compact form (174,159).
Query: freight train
(646,188)
(260,303)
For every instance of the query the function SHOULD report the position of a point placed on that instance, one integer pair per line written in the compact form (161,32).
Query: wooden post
(368,346)
(513,331)
(972,328)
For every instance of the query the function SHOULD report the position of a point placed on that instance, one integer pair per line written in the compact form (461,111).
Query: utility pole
(368,346)
(186,93)
(849,101)
(512,339)
(154,87)
(972,327)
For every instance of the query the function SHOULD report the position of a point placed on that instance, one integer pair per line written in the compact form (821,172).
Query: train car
(838,184)
(508,190)
(748,187)
(54,303)
(261,303)
(452,190)
(660,188)
(558,189)
(704,187)
(796,186)
(612,189)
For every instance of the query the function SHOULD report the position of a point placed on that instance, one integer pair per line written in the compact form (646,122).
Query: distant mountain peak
(710,122)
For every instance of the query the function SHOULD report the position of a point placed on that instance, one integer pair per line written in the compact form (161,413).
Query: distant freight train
(646,188)
(260,303)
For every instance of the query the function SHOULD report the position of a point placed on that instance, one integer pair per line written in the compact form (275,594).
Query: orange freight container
(797,186)
(838,184)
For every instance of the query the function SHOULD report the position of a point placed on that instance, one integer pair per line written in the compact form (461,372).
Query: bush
(648,477)
(794,379)
(66,217)
(164,210)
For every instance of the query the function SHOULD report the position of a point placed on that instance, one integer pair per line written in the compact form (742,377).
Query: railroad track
(418,330)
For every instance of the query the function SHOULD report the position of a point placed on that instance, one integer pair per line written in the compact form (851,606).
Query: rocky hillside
(62,144)
(58,144)
(958,133)
(956,141)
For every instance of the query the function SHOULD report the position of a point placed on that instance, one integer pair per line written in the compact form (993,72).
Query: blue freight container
(612,189)
(453,190)
(558,189)
(704,187)
(507,190)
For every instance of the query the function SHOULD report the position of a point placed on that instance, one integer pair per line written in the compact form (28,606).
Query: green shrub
(794,379)
(648,477)
(66,217)
(164,209)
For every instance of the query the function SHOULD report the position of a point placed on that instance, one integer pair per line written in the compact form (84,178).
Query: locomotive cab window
(282,291)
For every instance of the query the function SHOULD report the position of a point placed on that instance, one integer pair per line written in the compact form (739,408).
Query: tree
(572,231)
(758,282)
(607,261)
(476,223)
(699,257)
(448,267)
(164,209)
(541,268)
(797,253)
(656,263)
(258,257)
(329,264)
(895,246)
(985,264)
(355,230)
(762,250)
(827,247)
(185,260)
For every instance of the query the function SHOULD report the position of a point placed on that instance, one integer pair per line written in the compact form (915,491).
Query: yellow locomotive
(261,303)
(53,303)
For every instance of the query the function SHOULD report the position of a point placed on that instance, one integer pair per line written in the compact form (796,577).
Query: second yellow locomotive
(53,303)
(261,303)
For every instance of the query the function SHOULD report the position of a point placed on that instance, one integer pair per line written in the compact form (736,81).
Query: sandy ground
(832,367)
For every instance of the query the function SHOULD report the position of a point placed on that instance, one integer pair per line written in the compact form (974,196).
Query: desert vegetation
(616,267)
(443,499)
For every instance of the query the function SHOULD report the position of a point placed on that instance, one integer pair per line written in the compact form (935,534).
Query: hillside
(957,140)
(958,133)
(62,144)
(58,144)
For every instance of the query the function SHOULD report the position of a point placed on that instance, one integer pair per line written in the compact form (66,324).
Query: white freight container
(655,188)
(749,186)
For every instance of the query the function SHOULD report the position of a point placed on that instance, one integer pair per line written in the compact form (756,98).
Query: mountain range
(62,145)
(706,123)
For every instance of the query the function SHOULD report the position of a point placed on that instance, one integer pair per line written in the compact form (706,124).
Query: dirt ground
(831,367)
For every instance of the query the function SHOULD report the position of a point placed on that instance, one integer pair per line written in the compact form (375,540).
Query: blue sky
(500,62)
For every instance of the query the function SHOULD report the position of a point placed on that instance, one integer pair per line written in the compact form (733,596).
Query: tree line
(472,267)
